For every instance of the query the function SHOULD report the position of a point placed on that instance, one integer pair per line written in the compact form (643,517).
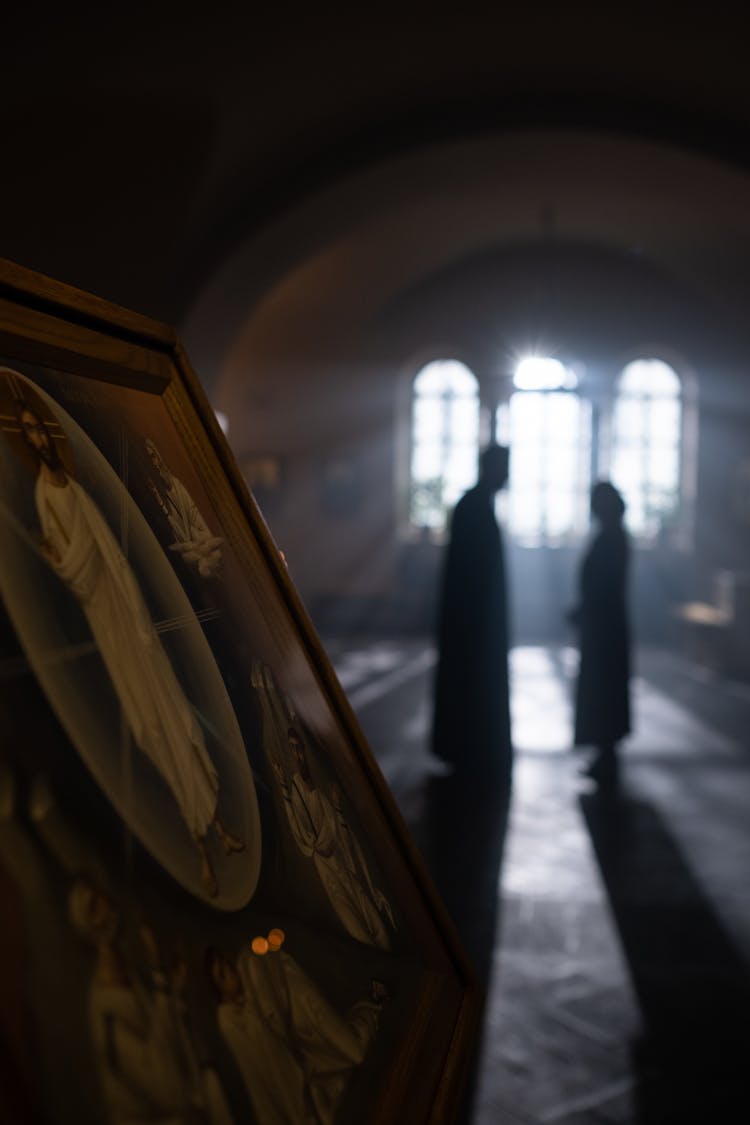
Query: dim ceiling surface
(197,164)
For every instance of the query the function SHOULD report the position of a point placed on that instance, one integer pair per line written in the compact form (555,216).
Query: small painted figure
(321,832)
(148,1069)
(294,1050)
(193,539)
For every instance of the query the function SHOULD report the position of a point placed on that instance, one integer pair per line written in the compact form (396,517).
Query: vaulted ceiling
(237,174)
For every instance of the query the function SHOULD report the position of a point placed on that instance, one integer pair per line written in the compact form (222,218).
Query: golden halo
(14,389)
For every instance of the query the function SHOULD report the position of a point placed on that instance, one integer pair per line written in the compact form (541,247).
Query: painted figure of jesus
(80,547)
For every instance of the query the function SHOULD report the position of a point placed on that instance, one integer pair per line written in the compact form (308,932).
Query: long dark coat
(603,695)
(471,724)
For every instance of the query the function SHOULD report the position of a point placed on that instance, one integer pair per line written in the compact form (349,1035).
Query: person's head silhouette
(493,467)
(607,505)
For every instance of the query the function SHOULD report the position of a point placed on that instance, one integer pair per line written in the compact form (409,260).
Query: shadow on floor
(691,982)
(465,820)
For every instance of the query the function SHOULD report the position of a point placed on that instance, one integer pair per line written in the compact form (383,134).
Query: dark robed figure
(471,726)
(602,695)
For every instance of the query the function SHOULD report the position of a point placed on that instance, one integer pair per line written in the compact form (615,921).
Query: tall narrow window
(548,426)
(445,440)
(646,444)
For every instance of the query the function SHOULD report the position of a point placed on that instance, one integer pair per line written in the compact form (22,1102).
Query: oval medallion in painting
(131,677)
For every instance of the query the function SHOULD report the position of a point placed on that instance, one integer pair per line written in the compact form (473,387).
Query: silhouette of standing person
(471,724)
(602,716)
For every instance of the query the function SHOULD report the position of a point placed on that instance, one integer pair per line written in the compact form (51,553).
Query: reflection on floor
(613,934)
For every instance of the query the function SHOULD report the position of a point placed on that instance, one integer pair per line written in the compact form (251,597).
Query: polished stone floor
(612,931)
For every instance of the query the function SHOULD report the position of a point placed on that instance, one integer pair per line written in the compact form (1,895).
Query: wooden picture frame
(211,909)
(264,476)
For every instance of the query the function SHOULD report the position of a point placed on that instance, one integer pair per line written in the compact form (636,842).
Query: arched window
(548,426)
(646,444)
(445,440)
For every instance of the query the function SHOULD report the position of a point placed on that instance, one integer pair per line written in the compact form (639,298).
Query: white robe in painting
(140,1078)
(294,1050)
(162,722)
(193,538)
(147,1065)
(320,832)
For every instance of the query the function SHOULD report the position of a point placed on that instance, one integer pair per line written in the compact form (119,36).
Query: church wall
(310,366)
(335,418)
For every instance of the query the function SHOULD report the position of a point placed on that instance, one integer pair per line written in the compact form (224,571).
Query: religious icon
(76,542)
(159,679)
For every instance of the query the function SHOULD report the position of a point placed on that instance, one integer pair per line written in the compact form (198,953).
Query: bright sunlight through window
(646,441)
(548,427)
(445,440)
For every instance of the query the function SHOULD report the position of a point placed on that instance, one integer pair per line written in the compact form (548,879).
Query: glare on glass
(445,434)
(627,469)
(664,422)
(428,419)
(663,469)
(526,411)
(525,512)
(461,466)
(562,417)
(464,421)
(537,373)
(427,462)
(445,376)
(549,471)
(562,468)
(634,511)
(560,513)
(526,462)
(646,458)
(652,377)
(630,420)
